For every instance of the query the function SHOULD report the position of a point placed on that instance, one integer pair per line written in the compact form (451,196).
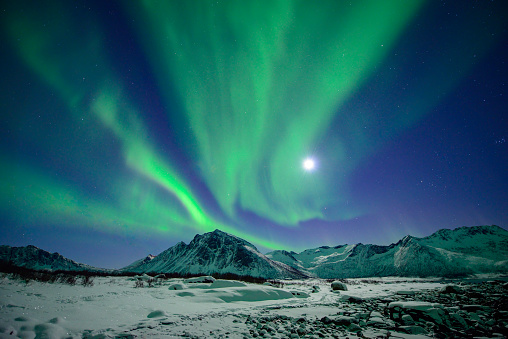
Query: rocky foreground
(453,311)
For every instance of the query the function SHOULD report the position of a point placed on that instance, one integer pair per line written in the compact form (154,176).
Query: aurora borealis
(129,126)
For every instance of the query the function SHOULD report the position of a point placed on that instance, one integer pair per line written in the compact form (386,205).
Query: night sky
(129,126)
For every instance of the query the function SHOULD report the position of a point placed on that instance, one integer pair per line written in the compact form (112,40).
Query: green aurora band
(259,83)
(52,202)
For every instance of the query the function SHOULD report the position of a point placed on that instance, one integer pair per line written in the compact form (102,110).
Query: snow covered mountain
(462,251)
(37,259)
(465,250)
(214,252)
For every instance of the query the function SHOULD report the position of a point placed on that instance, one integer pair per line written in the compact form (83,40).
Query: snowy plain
(174,308)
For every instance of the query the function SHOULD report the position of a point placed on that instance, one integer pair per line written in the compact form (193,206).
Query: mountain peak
(405,240)
(215,252)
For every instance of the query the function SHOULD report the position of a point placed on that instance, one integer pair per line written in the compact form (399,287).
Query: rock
(406,292)
(338,286)
(457,320)
(407,319)
(354,300)
(301,331)
(363,315)
(8,331)
(472,308)
(377,322)
(451,289)
(344,320)
(474,317)
(354,328)
(490,322)
(300,294)
(325,320)
(414,330)
(436,314)
(156,314)
(475,295)
(301,320)
(413,305)
(58,321)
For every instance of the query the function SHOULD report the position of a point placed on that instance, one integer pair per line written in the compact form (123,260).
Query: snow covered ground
(176,308)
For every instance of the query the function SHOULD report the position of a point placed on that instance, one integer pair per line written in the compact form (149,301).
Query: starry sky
(129,126)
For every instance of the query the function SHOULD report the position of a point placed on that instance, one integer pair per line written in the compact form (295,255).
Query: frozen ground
(176,308)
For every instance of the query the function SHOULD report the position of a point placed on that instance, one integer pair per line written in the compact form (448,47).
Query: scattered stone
(436,314)
(325,320)
(300,294)
(156,314)
(452,289)
(354,328)
(414,330)
(474,317)
(472,308)
(354,300)
(344,320)
(412,305)
(339,286)
(406,292)
(407,319)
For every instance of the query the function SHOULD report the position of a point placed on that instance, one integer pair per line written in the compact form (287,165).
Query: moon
(309,164)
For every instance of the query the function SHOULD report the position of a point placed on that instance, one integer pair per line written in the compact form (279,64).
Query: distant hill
(462,251)
(35,258)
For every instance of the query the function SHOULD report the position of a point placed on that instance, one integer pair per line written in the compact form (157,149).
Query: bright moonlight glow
(309,164)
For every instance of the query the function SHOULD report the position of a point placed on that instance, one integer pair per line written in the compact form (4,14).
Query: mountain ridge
(33,257)
(446,252)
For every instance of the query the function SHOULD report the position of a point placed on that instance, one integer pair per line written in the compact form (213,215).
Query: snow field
(177,308)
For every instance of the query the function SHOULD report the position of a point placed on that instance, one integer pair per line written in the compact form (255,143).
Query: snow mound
(227,283)
(204,279)
(249,293)
(176,287)
(227,291)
